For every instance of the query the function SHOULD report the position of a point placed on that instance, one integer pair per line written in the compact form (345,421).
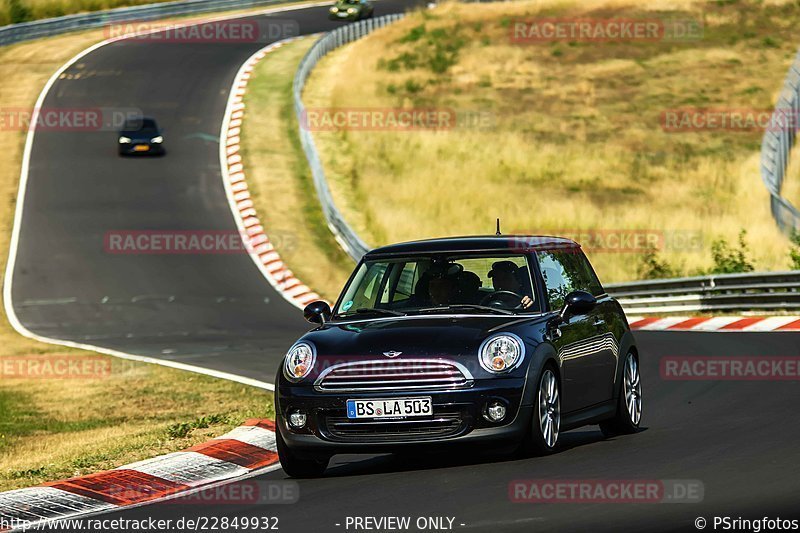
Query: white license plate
(389,408)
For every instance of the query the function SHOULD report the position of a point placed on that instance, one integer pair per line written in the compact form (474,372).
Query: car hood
(140,134)
(415,336)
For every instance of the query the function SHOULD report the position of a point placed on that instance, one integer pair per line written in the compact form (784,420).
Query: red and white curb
(233,174)
(718,323)
(244,451)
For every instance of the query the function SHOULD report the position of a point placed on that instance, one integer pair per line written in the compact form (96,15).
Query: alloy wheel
(633,389)
(549,408)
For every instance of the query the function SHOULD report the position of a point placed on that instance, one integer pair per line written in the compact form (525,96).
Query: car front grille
(442,424)
(405,374)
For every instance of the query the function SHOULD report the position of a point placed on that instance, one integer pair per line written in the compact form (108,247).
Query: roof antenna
(498,227)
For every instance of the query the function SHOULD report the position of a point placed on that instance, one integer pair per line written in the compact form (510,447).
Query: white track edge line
(21,190)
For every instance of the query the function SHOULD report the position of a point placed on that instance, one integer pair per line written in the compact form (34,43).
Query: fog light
(495,412)
(297,419)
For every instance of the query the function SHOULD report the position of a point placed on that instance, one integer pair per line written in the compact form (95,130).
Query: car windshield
(140,125)
(436,283)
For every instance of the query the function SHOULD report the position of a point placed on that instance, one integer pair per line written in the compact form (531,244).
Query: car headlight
(157,140)
(351,10)
(299,361)
(501,353)
(334,10)
(124,140)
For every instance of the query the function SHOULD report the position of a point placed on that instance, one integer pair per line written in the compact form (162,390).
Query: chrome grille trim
(395,374)
(442,425)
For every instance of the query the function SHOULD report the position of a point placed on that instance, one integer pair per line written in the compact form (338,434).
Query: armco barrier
(344,234)
(776,147)
(15,33)
(773,291)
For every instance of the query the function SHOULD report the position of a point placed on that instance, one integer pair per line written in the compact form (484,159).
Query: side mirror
(577,303)
(317,312)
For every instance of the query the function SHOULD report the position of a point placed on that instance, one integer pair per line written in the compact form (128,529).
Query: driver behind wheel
(505,277)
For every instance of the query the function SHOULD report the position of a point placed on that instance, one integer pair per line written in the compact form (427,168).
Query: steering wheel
(503,299)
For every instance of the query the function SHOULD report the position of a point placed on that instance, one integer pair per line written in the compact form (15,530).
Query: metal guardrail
(776,147)
(347,238)
(773,291)
(24,31)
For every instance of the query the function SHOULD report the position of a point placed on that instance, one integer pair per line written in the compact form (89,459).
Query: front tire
(629,407)
(296,467)
(543,433)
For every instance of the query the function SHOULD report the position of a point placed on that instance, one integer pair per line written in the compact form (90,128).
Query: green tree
(18,11)
(730,259)
(652,266)
(794,250)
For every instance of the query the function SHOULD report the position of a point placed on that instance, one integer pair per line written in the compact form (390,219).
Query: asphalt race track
(739,439)
(210,310)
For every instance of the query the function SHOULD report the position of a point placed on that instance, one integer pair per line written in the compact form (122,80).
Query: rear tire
(629,405)
(543,431)
(296,467)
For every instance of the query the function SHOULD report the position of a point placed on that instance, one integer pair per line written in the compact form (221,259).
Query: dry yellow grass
(52,428)
(56,428)
(39,9)
(575,140)
(791,184)
(279,179)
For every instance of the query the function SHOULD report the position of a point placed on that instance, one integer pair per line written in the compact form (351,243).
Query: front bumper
(457,419)
(343,15)
(141,148)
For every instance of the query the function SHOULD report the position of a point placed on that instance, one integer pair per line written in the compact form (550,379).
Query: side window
(556,279)
(588,279)
(367,291)
(402,282)
(565,271)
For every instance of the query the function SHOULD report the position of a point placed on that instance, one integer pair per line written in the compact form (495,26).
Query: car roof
(140,123)
(478,243)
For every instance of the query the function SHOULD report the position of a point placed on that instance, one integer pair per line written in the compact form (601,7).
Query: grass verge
(54,428)
(568,135)
(279,178)
(14,11)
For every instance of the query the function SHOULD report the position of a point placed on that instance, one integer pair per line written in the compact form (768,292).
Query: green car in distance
(351,10)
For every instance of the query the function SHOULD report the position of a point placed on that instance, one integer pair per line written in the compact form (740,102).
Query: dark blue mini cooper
(498,341)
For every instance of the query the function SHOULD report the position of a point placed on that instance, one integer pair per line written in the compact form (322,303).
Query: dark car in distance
(497,342)
(141,136)
(351,10)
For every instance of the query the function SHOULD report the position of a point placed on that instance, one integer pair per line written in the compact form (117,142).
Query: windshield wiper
(365,310)
(468,306)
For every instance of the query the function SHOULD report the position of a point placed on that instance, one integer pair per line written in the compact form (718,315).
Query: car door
(585,344)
